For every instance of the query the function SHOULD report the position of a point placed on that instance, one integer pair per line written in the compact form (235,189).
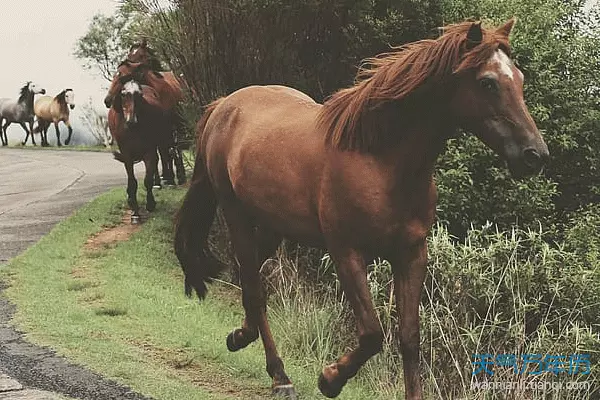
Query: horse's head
(35,89)
(125,72)
(489,101)
(131,95)
(144,54)
(70,98)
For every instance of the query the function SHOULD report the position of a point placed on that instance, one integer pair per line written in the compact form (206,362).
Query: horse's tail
(193,223)
(119,157)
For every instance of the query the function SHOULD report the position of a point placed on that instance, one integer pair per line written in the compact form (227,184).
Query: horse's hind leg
(157,183)
(352,274)
(132,193)
(179,167)
(151,163)
(3,136)
(58,143)
(252,247)
(167,165)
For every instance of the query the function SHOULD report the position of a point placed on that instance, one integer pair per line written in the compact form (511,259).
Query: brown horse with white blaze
(170,93)
(137,122)
(354,175)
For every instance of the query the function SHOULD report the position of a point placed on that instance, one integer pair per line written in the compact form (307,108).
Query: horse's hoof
(285,391)
(135,219)
(67,142)
(330,388)
(231,345)
(151,206)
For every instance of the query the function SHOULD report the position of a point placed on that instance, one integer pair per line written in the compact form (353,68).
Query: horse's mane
(61,97)
(24,92)
(397,77)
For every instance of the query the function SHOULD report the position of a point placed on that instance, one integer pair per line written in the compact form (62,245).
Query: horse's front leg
(352,274)
(27,133)
(132,193)
(70,132)
(58,143)
(409,266)
(151,163)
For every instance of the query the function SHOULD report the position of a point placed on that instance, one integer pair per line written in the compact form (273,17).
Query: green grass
(121,311)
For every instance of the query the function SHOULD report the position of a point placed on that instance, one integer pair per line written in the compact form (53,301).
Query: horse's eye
(489,85)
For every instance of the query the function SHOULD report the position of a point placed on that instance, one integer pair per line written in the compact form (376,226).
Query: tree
(105,44)
(97,124)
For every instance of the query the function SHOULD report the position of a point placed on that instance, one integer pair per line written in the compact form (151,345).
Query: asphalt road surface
(37,190)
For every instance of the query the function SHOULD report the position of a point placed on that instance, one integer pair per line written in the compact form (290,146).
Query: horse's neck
(28,102)
(62,106)
(422,136)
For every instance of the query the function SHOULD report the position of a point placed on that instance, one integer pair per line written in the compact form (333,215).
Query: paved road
(37,190)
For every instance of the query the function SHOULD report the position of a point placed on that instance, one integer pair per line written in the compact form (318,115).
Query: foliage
(556,45)
(97,124)
(105,44)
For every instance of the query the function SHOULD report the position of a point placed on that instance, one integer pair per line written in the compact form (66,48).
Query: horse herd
(353,175)
(46,109)
(144,118)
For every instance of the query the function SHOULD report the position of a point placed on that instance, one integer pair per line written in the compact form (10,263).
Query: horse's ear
(474,35)
(505,29)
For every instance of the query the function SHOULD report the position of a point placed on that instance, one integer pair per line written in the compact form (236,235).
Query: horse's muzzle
(107,102)
(72,106)
(43,91)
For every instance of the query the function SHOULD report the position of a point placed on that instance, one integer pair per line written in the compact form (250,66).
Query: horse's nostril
(532,158)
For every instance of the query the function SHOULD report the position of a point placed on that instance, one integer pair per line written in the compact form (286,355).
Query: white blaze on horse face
(70,97)
(131,87)
(504,63)
(34,88)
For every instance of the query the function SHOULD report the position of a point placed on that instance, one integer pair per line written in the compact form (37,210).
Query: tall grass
(496,293)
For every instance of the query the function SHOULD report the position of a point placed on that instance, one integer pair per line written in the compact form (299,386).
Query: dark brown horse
(142,65)
(354,175)
(138,123)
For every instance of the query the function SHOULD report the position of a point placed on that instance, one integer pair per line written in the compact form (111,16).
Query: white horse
(19,111)
(53,110)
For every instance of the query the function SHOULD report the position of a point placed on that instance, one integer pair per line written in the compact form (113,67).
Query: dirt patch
(109,237)
(201,373)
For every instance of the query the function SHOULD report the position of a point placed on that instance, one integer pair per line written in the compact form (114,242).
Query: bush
(496,293)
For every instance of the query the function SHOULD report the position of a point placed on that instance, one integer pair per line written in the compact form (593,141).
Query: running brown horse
(137,122)
(354,175)
(142,64)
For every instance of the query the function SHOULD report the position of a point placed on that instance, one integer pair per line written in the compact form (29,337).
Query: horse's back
(262,150)
(41,107)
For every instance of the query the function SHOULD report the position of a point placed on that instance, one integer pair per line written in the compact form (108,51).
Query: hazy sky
(37,40)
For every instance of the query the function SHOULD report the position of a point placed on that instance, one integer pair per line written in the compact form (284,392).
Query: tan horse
(354,175)
(53,110)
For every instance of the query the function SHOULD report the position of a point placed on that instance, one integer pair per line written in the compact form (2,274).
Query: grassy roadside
(121,311)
